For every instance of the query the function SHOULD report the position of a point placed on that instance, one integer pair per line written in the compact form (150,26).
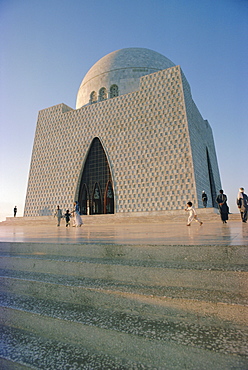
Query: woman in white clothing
(77,218)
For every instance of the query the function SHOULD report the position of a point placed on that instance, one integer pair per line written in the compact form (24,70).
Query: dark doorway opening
(84,206)
(96,200)
(109,199)
(96,194)
(211,180)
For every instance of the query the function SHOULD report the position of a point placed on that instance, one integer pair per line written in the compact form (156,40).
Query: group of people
(75,214)
(221,199)
(242,203)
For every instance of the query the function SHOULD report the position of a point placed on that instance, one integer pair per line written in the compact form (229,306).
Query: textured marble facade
(160,150)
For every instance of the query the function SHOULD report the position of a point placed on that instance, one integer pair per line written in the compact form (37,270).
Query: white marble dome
(119,73)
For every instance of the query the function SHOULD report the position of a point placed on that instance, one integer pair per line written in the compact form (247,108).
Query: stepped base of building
(113,306)
(124,292)
(127,218)
(151,229)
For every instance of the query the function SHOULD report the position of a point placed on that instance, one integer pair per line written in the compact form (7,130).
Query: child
(67,218)
(192,214)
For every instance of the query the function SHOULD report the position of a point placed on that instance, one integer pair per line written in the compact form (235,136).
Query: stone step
(167,268)
(123,306)
(206,214)
(119,295)
(22,347)
(193,256)
(229,281)
(41,352)
(157,301)
(131,336)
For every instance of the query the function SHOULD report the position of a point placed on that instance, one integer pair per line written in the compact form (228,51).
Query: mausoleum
(136,142)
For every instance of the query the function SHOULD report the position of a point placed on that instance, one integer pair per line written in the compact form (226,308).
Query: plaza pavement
(124,293)
(169,230)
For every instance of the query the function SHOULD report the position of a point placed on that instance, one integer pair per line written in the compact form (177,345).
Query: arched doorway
(85,201)
(96,200)
(96,182)
(109,199)
(211,180)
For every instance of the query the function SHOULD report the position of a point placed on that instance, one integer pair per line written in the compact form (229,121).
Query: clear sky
(47,46)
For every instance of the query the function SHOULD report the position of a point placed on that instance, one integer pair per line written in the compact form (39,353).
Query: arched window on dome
(114,91)
(102,94)
(93,97)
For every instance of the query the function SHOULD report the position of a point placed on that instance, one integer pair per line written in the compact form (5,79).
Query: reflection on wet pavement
(124,296)
(233,233)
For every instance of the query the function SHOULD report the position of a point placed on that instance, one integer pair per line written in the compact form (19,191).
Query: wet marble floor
(169,233)
(111,296)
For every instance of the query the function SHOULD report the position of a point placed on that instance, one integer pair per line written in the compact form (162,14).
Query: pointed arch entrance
(96,194)
(211,180)
(97,200)
(109,199)
(84,206)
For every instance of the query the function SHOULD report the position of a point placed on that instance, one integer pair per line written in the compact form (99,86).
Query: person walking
(223,207)
(15,211)
(192,214)
(242,203)
(67,218)
(58,213)
(204,199)
(77,218)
